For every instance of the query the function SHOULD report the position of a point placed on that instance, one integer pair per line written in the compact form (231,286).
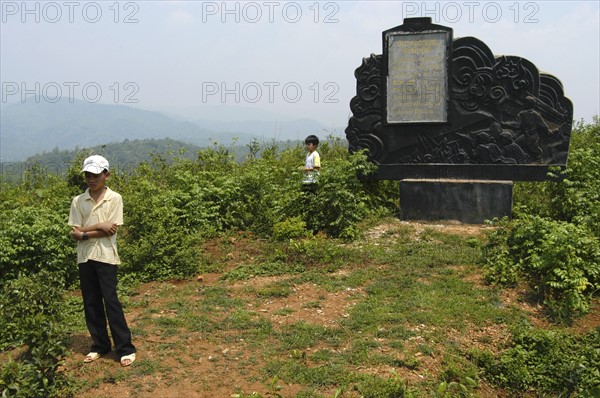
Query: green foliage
(289,229)
(171,205)
(154,245)
(377,387)
(457,389)
(24,298)
(459,378)
(25,380)
(560,261)
(553,245)
(550,362)
(500,267)
(576,198)
(35,238)
(341,200)
(31,315)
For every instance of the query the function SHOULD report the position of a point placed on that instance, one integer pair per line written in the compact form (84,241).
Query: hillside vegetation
(237,282)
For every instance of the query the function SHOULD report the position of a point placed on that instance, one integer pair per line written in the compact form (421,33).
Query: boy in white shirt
(312,165)
(95,216)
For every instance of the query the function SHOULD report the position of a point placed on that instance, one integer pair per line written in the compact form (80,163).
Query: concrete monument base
(467,201)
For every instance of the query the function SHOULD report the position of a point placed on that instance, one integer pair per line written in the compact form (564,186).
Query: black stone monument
(455,124)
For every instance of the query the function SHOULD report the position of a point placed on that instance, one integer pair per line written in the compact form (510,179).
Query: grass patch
(302,335)
(277,290)
(247,271)
(314,376)
(398,305)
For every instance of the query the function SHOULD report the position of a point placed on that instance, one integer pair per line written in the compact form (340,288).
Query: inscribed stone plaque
(417,86)
(431,106)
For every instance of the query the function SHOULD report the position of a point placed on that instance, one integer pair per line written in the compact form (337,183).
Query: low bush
(36,238)
(289,229)
(341,200)
(31,317)
(549,362)
(560,262)
(575,197)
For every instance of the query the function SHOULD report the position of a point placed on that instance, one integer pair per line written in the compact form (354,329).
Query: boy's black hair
(312,139)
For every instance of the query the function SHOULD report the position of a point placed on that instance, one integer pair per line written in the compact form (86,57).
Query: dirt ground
(220,368)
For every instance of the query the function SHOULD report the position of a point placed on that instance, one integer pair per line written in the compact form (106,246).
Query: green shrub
(576,198)
(155,243)
(500,269)
(554,242)
(31,316)
(341,200)
(22,299)
(550,362)
(317,251)
(458,377)
(560,261)
(289,229)
(264,187)
(271,192)
(33,239)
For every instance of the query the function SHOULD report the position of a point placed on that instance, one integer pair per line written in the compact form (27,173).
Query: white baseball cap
(95,164)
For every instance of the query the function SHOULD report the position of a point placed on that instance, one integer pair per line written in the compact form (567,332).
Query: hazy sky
(270,60)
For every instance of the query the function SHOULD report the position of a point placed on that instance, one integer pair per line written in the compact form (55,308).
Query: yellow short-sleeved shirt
(85,212)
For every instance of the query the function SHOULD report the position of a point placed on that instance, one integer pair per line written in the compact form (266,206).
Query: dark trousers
(98,283)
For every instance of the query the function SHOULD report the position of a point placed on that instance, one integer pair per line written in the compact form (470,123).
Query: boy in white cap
(95,216)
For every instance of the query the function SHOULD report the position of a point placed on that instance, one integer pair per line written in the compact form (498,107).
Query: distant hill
(296,129)
(122,156)
(262,123)
(128,153)
(27,128)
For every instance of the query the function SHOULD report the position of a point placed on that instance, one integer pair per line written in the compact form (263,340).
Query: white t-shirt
(312,160)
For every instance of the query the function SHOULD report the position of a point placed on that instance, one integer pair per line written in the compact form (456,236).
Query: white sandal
(127,360)
(91,357)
